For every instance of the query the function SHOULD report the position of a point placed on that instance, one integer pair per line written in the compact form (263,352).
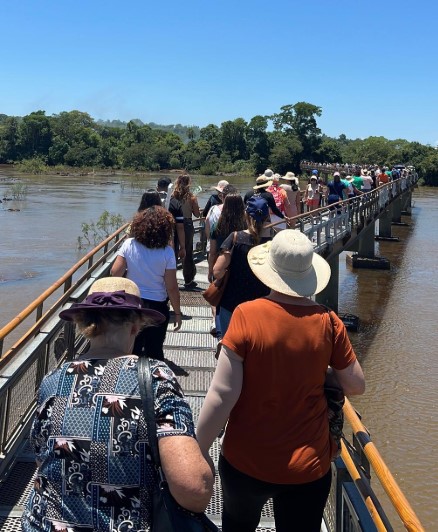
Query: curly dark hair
(153,227)
(181,190)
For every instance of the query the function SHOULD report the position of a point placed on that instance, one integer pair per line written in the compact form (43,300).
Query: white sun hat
(289,265)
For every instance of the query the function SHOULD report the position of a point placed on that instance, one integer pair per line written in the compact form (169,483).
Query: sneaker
(213,330)
(189,286)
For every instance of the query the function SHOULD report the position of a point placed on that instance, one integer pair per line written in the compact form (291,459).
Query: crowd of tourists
(92,433)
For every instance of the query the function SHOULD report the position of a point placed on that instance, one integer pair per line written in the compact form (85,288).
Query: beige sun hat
(262,182)
(289,265)
(221,185)
(290,176)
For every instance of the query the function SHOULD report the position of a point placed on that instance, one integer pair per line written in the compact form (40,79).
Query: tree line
(280,141)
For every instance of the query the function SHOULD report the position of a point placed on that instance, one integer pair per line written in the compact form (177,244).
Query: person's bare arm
(195,207)
(187,472)
(351,379)
(224,391)
(119,267)
(212,257)
(173,293)
(221,264)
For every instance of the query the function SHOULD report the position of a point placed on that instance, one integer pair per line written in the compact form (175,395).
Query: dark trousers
(297,507)
(149,342)
(189,268)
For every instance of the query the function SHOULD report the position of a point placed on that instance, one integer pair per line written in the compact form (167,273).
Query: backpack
(279,196)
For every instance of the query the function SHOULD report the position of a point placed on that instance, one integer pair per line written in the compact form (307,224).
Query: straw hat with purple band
(221,185)
(289,265)
(112,293)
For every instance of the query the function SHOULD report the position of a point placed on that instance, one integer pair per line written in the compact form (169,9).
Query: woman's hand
(177,321)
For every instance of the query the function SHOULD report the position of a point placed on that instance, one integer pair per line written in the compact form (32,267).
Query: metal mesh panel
(22,394)
(201,312)
(191,298)
(184,339)
(196,381)
(16,489)
(330,507)
(190,358)
(10,524)
(193,325)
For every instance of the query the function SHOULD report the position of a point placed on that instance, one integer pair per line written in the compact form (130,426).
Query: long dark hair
(255,228)
(232,217)
(149,199)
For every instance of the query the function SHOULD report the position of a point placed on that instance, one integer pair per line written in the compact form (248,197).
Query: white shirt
(146,267)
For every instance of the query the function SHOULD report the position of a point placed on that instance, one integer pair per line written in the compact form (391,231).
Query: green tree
(9,138)
(35,135)
(234,139)
(299,120)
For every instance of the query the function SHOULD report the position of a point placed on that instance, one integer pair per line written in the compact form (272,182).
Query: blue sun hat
(257,208)
(314,172)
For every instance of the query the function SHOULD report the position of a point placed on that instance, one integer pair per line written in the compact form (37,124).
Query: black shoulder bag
(167,514)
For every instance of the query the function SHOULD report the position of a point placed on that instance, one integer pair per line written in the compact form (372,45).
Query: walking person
(293,203)
(313,194)
(89,434)
(148,259)
(190,207)
(242,284)
(268,389)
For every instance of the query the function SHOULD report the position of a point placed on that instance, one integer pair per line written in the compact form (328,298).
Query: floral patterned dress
(90,439)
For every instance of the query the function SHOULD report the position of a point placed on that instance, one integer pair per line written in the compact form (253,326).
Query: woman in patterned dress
(89,433)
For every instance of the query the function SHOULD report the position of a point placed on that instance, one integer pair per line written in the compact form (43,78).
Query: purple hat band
(119,300)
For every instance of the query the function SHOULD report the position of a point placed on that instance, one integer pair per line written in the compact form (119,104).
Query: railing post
(330,295)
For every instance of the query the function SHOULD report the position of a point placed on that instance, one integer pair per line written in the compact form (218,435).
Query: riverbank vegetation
(37,142)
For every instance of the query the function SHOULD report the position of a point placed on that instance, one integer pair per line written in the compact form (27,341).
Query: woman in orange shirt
(269,387)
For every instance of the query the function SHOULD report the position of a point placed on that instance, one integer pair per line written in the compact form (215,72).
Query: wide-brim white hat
(289,265)
(290,176)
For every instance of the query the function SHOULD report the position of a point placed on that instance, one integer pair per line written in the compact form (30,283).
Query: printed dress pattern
(90,439)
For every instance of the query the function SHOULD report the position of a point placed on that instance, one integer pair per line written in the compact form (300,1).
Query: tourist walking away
(148,259)
(174,207)
(215,199)
(89,434)
(268,390)
(367,180)
(313,194)
(260,189)
(280,198)
(242,284)
(293,204)
(335,189)
(190,207)
(149,199)
(232,218)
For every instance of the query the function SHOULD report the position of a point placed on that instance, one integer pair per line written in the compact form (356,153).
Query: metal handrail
(66,280)
(387,481)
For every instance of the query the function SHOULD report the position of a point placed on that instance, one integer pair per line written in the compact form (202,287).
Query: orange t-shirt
(383,178)
(278,430)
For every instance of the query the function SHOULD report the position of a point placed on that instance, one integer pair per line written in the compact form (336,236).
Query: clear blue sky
(370,65)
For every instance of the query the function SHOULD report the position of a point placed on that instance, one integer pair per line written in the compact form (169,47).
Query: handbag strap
(147,397)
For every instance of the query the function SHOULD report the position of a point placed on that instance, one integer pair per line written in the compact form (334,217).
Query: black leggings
(149,342)
(297,507)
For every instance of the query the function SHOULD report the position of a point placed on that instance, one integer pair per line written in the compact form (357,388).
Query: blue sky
(370,65)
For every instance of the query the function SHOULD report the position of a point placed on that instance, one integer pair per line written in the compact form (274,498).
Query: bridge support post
(365,257)
(330,295)
(385,227)
(407,203)
(397,211)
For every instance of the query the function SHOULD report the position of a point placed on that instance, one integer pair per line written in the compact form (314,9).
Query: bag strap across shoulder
(147,397)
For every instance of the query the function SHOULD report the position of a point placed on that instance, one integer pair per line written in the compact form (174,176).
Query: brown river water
(397,342)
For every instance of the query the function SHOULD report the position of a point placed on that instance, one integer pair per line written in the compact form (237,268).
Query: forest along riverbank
(396,342)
